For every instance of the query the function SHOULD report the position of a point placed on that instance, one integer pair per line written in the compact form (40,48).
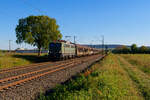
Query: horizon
(121,22)
(115,45)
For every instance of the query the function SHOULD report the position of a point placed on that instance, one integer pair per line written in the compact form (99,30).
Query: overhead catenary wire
(103,45)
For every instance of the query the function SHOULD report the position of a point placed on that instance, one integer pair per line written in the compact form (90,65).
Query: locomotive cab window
(54,47)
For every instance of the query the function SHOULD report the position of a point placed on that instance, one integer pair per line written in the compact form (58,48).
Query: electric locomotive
(62,50)
(66,50)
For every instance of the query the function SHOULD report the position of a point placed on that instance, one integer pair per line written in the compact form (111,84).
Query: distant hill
(109,46)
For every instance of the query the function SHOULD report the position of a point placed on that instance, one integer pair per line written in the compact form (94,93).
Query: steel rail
(30,78)
(42,74)
(23,67)
(29,73)
(34,72)
(28,66)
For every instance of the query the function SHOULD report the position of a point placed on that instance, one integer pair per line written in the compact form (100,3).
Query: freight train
(65,50)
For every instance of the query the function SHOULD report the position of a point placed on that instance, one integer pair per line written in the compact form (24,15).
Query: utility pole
(10,45)
(75,45)
(103,46)
(75,39)
(92,44)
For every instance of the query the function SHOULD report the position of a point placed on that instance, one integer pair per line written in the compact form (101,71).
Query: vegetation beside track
(142,61)
(106,80)
(8,60)
(141,79)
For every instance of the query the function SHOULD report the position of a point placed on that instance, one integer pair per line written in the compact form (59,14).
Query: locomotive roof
(78,45)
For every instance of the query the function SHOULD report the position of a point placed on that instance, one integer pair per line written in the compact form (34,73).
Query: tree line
(133,49)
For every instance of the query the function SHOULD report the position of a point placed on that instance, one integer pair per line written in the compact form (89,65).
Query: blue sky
(120,21)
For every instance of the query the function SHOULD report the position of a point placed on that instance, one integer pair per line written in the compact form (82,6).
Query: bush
(122,50)
(132,50)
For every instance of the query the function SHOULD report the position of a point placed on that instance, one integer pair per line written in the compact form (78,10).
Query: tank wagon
(66,50)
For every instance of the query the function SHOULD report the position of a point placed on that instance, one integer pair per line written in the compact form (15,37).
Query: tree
(134,48)
(143,49)
(125,50)
(122,49)
(38,31)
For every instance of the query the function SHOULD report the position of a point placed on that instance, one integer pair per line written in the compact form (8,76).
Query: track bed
(25,83)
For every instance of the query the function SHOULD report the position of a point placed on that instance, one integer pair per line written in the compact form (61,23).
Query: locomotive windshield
(54,47)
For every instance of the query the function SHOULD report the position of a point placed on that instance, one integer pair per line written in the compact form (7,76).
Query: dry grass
(142,61)
(8,60)
(141,79)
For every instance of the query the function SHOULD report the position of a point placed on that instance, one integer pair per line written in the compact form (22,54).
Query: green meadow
(116,77)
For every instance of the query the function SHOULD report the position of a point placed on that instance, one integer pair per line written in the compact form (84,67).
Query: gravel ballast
(31,90)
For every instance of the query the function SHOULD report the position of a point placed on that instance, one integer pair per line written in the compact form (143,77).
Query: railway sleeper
(34,78)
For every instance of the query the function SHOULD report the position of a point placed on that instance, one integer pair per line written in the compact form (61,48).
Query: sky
(120,21)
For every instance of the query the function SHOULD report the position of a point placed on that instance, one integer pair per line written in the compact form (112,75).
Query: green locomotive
(62,50)
(66,50)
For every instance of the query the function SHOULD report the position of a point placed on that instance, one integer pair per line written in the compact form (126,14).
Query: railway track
(23,67)
(7,83)
(30,68)
(27,66)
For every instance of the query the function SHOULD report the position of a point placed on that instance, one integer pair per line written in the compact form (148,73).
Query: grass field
(142,61)
(114,78)
(138,76)
(8,60)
